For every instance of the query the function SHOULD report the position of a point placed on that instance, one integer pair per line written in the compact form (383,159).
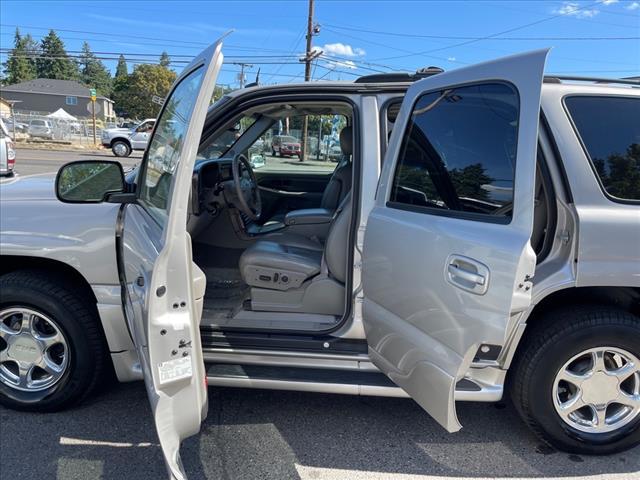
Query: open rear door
(162,287)
(447,258)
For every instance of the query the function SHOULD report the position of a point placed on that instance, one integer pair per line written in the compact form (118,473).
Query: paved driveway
(254,434)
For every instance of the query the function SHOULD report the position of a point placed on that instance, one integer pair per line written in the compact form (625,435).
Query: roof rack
(622,81)
(399,77)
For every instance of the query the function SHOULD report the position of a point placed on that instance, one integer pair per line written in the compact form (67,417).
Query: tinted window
(610,130)
(459,151)
(167,145)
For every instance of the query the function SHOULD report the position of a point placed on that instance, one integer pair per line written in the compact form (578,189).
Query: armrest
(308,216)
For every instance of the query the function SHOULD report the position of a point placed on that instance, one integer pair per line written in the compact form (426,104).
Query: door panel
(447,259)
(162,287)
(287,191)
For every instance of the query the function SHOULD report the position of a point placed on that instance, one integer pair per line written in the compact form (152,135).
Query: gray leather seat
(311,276)
(340,182)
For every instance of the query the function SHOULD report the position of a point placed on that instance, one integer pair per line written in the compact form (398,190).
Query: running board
(325,380)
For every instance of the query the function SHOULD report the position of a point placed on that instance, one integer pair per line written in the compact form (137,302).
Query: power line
(293,48)
(153,60)
(378,44)
(453,37)
(497,34)
(157,62)
(180,43)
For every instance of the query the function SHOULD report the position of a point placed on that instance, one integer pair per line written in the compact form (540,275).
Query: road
(255,434)
(252,434)
(36,161)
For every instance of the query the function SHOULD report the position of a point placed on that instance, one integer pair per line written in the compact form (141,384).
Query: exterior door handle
(456,271)
(467,274)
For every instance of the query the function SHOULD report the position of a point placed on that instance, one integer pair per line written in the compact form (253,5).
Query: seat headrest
(346,140)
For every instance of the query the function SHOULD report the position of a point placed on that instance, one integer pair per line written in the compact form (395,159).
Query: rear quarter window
(609,129)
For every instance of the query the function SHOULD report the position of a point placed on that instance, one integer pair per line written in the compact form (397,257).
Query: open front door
(162,287)
(447,257)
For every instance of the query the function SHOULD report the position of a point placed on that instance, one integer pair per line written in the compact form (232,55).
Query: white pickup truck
(122,141)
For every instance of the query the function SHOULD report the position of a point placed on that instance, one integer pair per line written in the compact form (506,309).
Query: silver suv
(480,232)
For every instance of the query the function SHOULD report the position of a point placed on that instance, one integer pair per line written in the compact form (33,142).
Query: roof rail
(621,81)
(399,77)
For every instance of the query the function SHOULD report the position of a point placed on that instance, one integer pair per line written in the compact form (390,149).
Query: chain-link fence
(48,127)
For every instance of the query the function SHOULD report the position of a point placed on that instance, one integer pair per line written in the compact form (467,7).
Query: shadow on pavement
(280,435)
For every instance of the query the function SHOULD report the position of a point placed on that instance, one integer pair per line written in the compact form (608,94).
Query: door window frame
(228,111)
(143,164)
(612,198)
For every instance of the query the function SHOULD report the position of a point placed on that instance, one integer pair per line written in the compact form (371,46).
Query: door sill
(345,379)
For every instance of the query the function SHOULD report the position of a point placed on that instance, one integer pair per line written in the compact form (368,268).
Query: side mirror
(88,181)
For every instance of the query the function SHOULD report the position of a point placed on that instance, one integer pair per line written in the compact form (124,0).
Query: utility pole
(241,76)
(308,58)
(93,94)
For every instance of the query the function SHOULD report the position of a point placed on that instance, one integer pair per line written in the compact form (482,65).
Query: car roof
(550,81)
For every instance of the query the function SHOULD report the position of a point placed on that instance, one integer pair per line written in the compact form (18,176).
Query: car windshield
(289,140)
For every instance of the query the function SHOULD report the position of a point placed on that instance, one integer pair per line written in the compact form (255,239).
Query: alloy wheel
(598,390)
(120,149)
(34,353)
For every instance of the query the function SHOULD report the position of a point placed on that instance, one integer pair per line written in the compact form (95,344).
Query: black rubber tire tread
(88,365)
(559,328)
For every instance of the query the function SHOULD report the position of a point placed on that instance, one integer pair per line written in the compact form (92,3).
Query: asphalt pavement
(255,434)
(38,161)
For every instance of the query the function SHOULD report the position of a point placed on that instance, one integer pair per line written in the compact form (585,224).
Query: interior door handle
(456,271)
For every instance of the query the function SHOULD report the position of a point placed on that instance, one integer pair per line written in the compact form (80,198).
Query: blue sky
(357,37)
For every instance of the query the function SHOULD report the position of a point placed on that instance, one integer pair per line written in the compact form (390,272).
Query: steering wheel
(246,187)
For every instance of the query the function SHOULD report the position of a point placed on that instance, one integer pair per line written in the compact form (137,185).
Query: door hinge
(565,237)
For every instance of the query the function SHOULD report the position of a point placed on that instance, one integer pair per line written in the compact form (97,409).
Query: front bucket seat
(291,278)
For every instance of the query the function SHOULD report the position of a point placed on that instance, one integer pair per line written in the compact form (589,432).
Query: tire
(577,335)
(121,148)
(56,300)
(273,152)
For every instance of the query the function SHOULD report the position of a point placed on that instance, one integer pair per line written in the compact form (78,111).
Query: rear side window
(458,153)
(609,128)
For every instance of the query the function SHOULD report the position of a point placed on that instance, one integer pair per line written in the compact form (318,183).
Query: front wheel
(52,353)
(121,149)
(577,381)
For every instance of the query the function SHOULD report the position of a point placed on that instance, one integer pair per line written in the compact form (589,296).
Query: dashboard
(210,178)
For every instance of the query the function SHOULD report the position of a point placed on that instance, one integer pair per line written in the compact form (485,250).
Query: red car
(285,146)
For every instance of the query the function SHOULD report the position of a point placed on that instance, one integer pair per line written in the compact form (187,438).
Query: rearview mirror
(88,181)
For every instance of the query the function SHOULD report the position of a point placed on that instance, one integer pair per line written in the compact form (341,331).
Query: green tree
(93,72)
(20,65)
(121,68)
(469,181)
(620,173)
(165,60)
(146,81)
(120,85)
(53,61)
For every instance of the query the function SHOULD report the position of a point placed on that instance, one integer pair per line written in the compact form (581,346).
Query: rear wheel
(577,381)
(51,349)
(120,148)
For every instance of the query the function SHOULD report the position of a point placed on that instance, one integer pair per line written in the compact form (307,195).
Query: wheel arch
(120,139)
(12,263)
(621,298)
